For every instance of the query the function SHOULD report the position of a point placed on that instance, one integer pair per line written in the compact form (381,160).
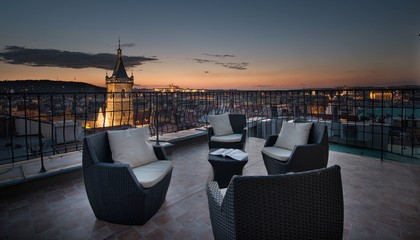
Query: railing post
(42,170)
(413,122)
(52,121)
(157,127)
(157,119)
(382,127)
(9,120)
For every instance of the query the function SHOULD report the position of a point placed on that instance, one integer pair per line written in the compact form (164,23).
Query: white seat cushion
(280,154)
(150,174)
(221,124)
(227,138)
(223,191)
(131,146)
(292,134)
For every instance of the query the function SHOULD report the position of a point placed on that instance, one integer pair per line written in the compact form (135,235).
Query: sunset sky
(221,44)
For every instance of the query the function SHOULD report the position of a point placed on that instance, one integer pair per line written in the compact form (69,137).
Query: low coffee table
(225,167)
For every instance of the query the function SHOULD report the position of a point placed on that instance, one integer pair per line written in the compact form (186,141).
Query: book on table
(230,152)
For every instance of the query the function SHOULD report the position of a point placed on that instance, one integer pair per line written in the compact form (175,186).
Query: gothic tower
(119,102)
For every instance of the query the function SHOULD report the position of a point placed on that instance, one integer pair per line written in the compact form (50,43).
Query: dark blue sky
(215,44)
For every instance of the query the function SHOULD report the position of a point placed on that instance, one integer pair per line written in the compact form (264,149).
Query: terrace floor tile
(381,200)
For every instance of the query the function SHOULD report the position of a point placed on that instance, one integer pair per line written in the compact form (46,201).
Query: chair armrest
(160,152)
(114,176)
(271,141)
(243,139)
(214,194)
(308,156)
(210,133)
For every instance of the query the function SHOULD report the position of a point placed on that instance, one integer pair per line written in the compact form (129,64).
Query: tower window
(123,93)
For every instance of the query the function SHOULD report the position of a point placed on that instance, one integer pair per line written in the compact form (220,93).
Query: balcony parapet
(394,115)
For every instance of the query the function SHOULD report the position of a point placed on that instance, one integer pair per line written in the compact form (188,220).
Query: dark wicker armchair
(113,191)
(305,157)
(238,123)
(305,205)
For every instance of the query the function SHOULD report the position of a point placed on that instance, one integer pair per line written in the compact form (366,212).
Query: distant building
(119,103)
(175,88)
(379,95)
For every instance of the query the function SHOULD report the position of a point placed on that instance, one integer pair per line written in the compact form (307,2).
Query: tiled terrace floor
(382,201)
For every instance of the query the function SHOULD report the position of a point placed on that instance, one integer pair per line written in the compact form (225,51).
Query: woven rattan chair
(113,191)
(305,157)
(305,205)
(238,123)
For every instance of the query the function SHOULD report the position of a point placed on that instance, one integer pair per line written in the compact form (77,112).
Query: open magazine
(233,153)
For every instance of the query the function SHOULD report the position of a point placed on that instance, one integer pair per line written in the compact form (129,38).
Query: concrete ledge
(25,171)
(166,145)
(181,135)
(11,174)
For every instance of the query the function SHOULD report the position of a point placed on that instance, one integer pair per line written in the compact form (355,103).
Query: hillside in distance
(47,86)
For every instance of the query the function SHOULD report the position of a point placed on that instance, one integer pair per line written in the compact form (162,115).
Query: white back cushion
(221,124)
(131,146)
(292,134)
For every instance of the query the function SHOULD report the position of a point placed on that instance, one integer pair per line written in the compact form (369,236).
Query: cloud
(218,55)
(199,60)
(127,45)
(237,66)
(230,65)
(65,59)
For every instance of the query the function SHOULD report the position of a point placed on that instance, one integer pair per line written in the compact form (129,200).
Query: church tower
(119,103)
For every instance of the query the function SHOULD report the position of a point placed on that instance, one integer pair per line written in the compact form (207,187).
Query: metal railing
(35,125)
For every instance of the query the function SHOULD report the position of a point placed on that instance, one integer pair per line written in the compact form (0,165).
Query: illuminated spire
(119,51)
(119,69)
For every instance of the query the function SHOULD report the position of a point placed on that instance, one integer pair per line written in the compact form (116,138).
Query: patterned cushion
(131,146)
(221,124)
(292,134)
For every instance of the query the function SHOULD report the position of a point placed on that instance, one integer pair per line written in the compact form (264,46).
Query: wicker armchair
(113,191)
(305,157)
(238,123)
(305,205)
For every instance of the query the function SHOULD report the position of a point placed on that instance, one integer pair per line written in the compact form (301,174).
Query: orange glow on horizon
(223,79)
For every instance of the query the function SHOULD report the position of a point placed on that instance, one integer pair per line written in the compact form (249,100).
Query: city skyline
(217,45)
